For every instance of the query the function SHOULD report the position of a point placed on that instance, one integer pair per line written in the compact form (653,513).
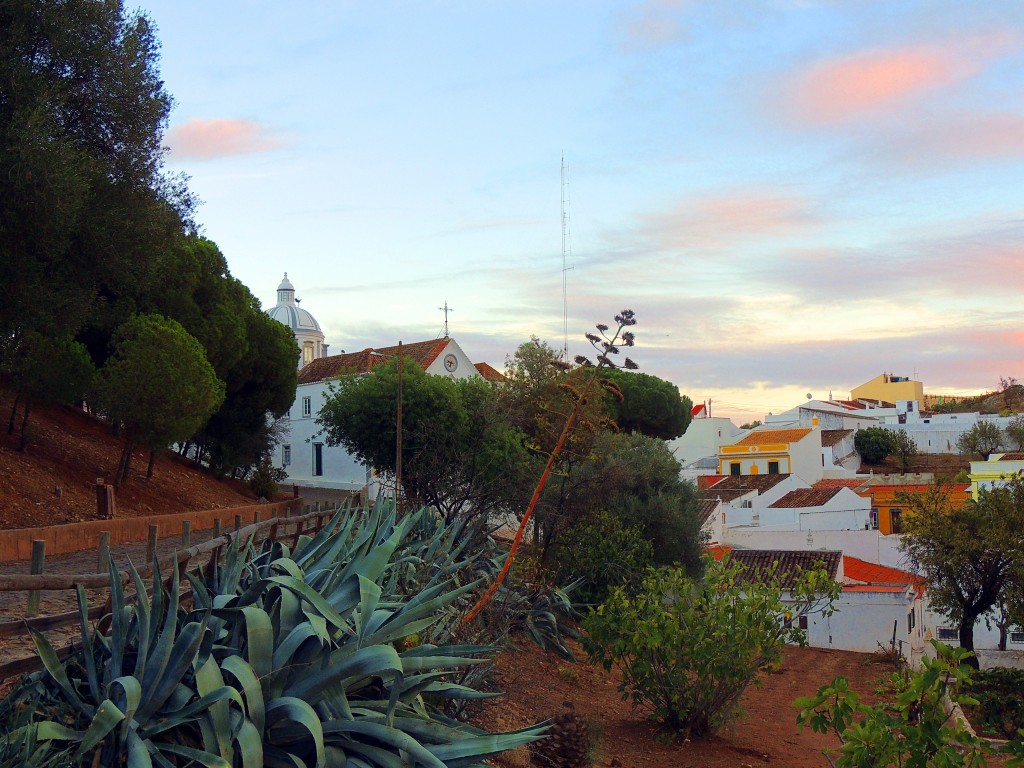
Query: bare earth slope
(69,450)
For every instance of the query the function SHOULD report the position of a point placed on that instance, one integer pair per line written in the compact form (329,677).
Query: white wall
(862,620)
(703,438)
(871,546)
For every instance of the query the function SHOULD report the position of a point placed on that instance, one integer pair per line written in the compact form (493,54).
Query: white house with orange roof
(766,451)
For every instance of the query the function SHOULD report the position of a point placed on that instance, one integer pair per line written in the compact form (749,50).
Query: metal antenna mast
(566,252)
(446,309)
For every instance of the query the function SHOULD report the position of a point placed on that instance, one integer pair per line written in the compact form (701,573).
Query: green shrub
(873,444)
(688,648)
(913,730)
(1000,696)
(604,553)
(265,478)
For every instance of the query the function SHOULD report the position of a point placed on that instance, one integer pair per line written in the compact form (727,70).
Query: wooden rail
(275,528)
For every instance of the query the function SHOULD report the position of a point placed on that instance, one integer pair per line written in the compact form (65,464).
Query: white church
(304,452)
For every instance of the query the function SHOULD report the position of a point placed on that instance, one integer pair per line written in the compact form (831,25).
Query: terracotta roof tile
(733,486)
(422,352)
(1012,456)
(706,481)
(706,509)
(871,573)
(830,437)
(787,563)
(841,482)
(490,373)
(766,436)
(805,497)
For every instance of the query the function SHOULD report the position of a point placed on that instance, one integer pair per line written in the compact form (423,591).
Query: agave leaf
(287,649)
(138,754)
(88,643)
(250,745)
(43,731)
(303,590)
(56,670)
(132,692)
(208,680)
(194,755)
(251,690)
(298,711)
(369,596)
(374,660)
(183,656)
(143,618)
(259,636)
(476,747)
(106,719)
(455,691)
(191,711)
(161,655)
(376,755)
(386,735)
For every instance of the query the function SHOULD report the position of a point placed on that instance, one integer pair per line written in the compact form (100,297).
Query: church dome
(288,312)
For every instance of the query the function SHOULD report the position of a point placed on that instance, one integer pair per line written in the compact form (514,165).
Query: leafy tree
(984,438)
(904,448)
(649,405)
(688,648)
(751,424)
(157,384)
(459,454)
(873,444)
(85,208)
(50,370)
(915,730)
(1015,431)
(969,555)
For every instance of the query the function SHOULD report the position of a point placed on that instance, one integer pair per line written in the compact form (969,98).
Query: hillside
(1008,399)
(53,480)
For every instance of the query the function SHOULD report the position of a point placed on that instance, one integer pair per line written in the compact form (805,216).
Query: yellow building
(889,389)
(994,472)
(774,452)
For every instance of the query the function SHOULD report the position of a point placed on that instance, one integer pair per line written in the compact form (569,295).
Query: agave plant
(287,657)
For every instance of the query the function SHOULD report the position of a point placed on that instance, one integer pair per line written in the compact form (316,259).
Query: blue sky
(792,196)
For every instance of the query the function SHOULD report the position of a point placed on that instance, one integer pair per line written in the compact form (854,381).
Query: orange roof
(767,436)
(840,482)
(874,574)
(805,497)
(490,373)
(706,481)
(874,587)
(422,352)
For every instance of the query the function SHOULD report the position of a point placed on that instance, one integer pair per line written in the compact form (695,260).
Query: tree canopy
(157,384)
(972,556)
(983,438)
(873,444)
(459,454)
(649,405)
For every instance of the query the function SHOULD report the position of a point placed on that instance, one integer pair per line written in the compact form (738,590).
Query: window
(874,518)
(1017,635)
(734,469)
(318,459)
(896,518)
(307,353)
(801,622)
(910,622)
(307,407)
(773,467)
(286,455)
(946,633)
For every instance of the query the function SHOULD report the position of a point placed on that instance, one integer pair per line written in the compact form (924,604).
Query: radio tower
(566,252)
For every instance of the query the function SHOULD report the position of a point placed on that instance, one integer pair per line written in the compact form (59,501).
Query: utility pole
(398,431)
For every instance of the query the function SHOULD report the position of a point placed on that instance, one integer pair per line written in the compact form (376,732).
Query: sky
(792,196)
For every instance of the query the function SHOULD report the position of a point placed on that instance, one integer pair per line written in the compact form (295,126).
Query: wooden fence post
(151,543)
(186,534)
(216,527)
(38,562)
(238,523)
(256,516)
(103,558)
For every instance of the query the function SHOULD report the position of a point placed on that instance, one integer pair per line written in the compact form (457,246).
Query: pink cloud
(875,81)
(208,139)
(716,220)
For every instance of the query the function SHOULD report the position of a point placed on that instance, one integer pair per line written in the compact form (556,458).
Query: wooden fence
(276,528)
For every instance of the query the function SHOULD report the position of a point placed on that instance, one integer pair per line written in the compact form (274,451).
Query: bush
(1000,696)
(604,553)
(264,479)
(688,648)
(913,730)
(873,444)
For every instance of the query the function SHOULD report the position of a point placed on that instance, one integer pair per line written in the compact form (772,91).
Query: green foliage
(1000,697)
(914,730)
(873,444)
(1015,432)
(459,454)
(688,648)
(904,448)
(637,479)
(751,424)
(983,438)
(157,384)
(971,556)
(649,405)
(264,479)
(604,552)
(286,657)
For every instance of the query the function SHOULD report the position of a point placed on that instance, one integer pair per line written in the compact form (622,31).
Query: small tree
(649,405)
(688,648)
(1015,432)
(915,730)
(904,448)
(873,444)
(157,384)
(984,438)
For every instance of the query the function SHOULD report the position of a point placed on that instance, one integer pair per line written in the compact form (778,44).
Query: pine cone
(566,744)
